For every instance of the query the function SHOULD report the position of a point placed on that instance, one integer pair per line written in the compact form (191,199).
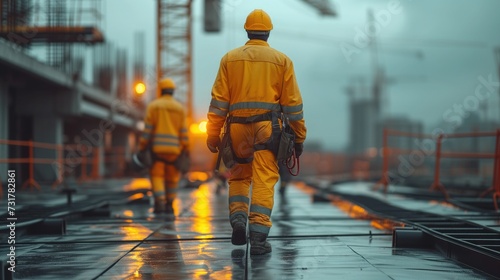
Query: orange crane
(174,50)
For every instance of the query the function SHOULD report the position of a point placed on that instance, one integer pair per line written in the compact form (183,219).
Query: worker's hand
(299,147)
(213,143)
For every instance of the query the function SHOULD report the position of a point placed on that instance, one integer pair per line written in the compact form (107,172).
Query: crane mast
(174,48)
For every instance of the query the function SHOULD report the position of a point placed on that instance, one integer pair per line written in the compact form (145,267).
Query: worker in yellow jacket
(165,133)
(255,84)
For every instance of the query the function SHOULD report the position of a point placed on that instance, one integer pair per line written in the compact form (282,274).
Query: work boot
(258,244)
(239,224)
(159,206)
(169,209)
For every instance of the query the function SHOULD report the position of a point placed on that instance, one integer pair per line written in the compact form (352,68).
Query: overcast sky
(434,52)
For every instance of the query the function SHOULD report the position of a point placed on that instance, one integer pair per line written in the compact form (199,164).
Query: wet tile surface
(310,241)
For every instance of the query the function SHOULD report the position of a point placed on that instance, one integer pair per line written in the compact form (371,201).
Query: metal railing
(439,155)
(80,161)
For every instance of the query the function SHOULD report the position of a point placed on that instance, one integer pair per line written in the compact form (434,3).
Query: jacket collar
(166,96)
(256,42)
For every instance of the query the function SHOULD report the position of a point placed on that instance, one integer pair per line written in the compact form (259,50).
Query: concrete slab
(310,241)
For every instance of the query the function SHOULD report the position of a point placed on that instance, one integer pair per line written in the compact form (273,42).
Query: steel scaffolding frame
(174,48)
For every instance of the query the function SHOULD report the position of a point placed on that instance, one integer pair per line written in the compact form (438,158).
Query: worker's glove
(299,147)
(213,143)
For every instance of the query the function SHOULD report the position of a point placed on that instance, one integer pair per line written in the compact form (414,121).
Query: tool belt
(274,143)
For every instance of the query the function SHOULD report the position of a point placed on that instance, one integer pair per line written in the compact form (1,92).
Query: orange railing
(30,160)
(436,184)
(388,151)
(496,175)
(68,158)
(439,154)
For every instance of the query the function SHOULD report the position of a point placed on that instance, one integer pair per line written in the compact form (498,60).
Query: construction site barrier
(66,159)
(388,151)
(495,189)
(439,154)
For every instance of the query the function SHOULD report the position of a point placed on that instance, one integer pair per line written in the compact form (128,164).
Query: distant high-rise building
(367,125)
(363,120)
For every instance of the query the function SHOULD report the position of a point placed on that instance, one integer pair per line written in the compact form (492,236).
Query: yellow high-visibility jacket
(165,126)
(252,80)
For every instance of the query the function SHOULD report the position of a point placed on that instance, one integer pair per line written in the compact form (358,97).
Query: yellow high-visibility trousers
(164,178)
(261,174)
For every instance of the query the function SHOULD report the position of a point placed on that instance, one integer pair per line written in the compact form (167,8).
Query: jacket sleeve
(147,133)
(219,105)
(291,103)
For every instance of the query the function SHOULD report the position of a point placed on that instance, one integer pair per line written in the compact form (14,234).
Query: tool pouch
(226,149)
(286,142)
(228,157)
(286,146)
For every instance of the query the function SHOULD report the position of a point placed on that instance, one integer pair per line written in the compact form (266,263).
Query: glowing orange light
(203,126)
(197,176)
(198,128)
(140,88)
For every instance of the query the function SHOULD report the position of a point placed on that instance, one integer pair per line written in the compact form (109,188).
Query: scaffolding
(27,22)
(174,49)
(58,25)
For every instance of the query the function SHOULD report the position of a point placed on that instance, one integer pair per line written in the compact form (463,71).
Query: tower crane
(174,40)
(324,7)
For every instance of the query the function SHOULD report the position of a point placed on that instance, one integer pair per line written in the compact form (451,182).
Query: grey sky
(456,38)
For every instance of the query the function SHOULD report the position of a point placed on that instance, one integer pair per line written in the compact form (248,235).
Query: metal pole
(83,169)
(1,14)
(384,181)
(385,163)
(496,172)
(437,184)
(60,168)
(496,176)
(158,44)
(95,162)
(189,86)
(437,169)
(497,57)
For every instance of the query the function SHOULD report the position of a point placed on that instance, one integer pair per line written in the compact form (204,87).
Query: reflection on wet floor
(310,241)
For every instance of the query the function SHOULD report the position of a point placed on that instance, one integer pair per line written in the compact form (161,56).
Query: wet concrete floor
(309,241)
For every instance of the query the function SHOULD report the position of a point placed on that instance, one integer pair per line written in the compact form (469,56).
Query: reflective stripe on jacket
(252,80)
(165,126)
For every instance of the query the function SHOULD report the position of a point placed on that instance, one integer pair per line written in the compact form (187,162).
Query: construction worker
(165,133)
(255,84)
